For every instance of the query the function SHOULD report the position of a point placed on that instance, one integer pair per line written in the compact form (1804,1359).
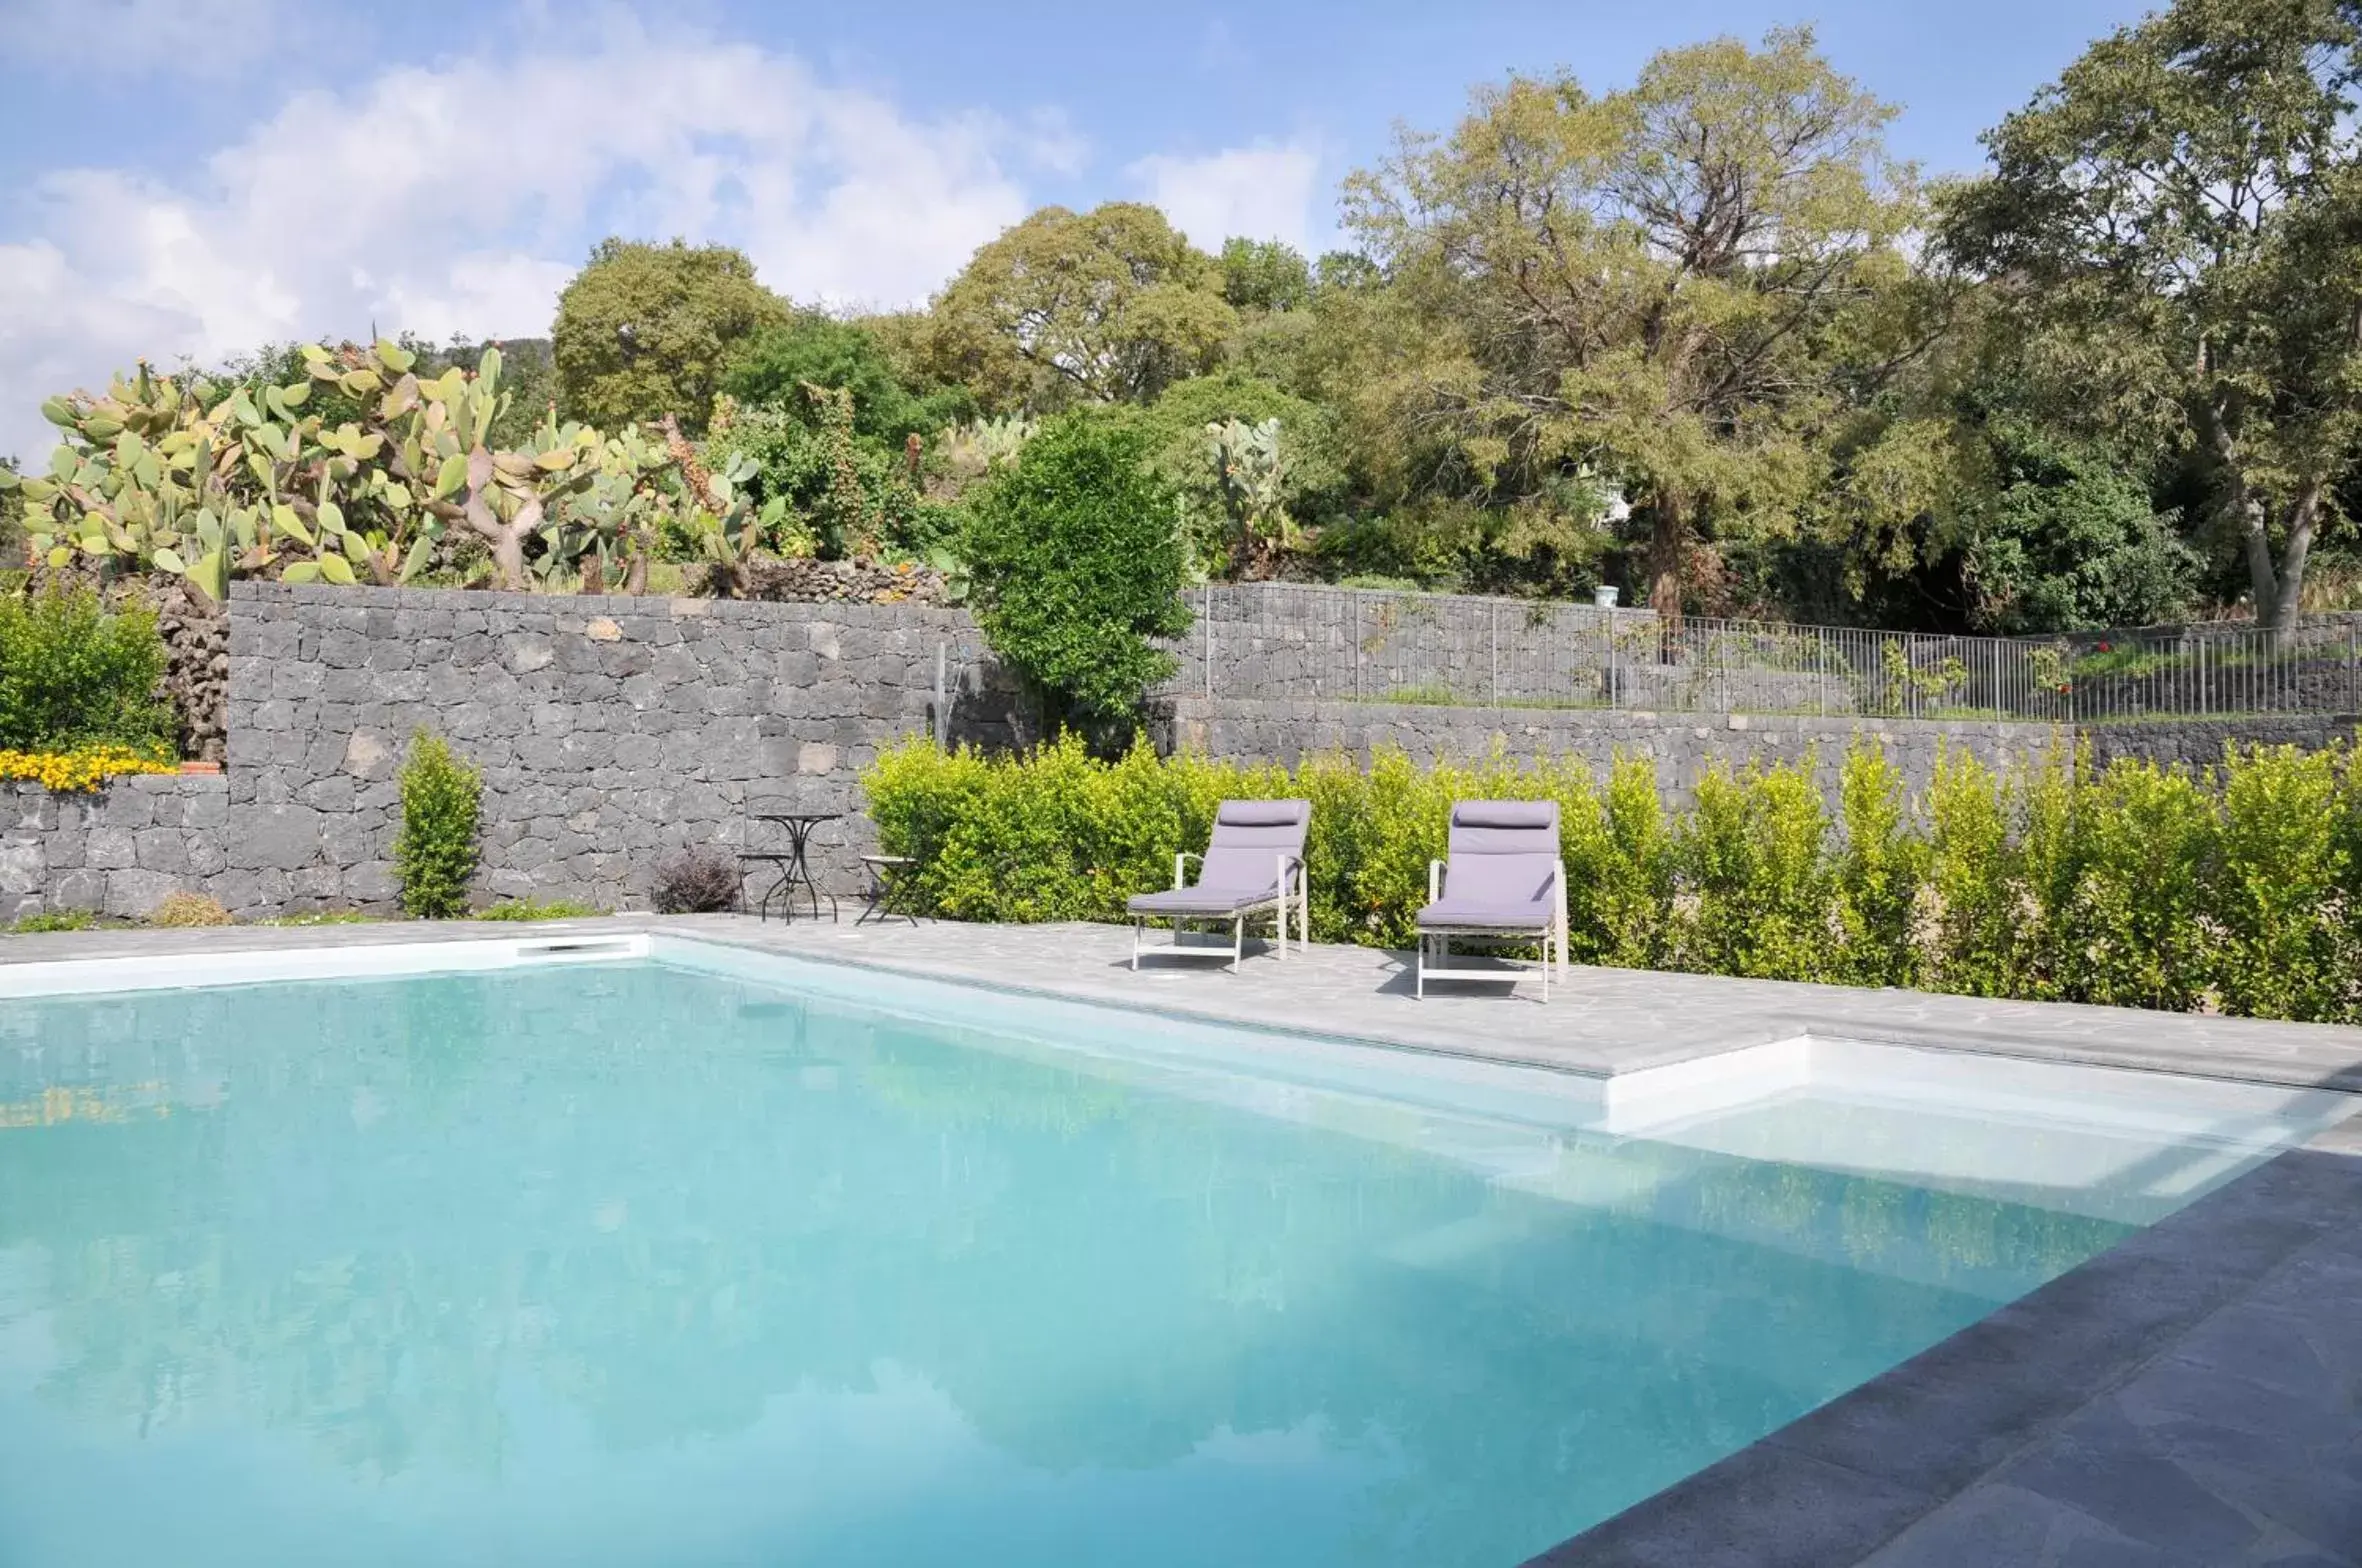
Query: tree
(1075,563)
(1264,275)
(2064,541)
(1107,306)
(647,330)
(1308,480)
(2177,221)
(815,349)
(1680,285)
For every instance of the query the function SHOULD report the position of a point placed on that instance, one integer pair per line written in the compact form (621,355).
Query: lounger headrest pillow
(1261,813)
(1505,814)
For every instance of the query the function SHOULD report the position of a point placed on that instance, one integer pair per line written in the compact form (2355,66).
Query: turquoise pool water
(626,1264)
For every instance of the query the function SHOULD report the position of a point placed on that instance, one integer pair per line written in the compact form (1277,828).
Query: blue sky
(194,177)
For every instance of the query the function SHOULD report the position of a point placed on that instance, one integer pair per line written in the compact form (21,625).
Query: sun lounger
(1252,867)
(1504,882)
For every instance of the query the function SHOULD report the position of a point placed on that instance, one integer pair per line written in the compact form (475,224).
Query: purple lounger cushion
(1503,856)
(1241,866)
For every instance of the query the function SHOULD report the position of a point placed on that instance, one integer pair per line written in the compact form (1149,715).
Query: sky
(190,179)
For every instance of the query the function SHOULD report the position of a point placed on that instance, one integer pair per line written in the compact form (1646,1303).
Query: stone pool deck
(2189,1399)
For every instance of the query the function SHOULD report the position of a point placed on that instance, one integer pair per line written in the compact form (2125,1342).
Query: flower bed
(80,770)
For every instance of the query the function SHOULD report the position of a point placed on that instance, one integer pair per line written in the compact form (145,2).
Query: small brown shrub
(695,882)
(189,909)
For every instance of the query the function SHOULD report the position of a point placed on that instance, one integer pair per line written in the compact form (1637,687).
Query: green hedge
(2136,885)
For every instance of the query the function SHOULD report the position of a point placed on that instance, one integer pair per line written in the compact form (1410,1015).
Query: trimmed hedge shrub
(2141,886)
(435,853)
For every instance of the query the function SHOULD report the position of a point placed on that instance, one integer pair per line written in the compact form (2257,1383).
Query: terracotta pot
(200,767)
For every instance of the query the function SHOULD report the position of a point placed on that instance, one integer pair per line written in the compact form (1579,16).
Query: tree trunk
(1669,533)
(2303,515)
(2277,586)
(2255,525)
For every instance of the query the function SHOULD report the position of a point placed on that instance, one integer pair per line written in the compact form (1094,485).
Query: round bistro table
(794,869)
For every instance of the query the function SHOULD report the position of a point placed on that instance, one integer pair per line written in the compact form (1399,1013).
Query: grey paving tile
(2280,1350)
(2103,1465)
(2006,1525)
(1760,1508)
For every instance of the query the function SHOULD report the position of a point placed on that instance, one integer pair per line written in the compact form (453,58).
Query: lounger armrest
(1434,880)
(1180,864)
(1287,863)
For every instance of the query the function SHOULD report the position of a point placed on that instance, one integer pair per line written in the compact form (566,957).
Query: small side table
(794,870)
(885,881)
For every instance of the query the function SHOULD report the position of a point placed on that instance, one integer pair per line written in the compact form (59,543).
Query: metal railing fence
(1291,641)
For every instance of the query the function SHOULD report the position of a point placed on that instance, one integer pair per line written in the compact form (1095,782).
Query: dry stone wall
(116,851)
(613,730)
(609,731)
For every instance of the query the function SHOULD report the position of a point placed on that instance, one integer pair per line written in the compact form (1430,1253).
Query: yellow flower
(85,768)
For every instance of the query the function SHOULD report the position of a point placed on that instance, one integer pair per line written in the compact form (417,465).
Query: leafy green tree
(1107,306)
(1075,562)
(2177,221)
(1264,275)
(816,349)
(1312,482)
(2066,541)
(839,495)
(649,330)
(1679,285)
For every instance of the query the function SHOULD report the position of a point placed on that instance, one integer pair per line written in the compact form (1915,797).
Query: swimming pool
(697,1257)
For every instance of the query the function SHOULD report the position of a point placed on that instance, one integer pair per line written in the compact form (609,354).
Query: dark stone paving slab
(2189,1399)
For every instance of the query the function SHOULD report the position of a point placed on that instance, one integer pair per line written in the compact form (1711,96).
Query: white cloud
(459,198)
(144,37)
(1263,192)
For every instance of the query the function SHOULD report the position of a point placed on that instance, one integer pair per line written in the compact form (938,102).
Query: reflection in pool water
(626,1264)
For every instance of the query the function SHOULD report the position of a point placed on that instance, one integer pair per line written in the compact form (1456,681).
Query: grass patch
(55,920)
(537,909)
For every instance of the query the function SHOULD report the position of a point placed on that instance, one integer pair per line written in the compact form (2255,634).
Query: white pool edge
(359,961)
(1647,1102)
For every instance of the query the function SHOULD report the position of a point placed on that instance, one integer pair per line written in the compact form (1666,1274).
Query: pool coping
(2015,1422)
(1600,1023)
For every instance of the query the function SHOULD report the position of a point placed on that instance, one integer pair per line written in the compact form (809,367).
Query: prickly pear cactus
(172,475)
(1251,466)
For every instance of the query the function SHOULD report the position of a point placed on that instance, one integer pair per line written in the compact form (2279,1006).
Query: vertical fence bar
(1206,619)
(1356,644)
(1607,668)
(1493,623)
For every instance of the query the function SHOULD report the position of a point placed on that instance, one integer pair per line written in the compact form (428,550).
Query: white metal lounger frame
(1287,869)
(1435,942)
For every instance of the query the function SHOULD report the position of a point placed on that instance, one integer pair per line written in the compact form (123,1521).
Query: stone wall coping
(562,607)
